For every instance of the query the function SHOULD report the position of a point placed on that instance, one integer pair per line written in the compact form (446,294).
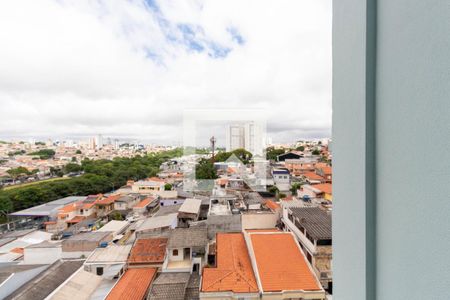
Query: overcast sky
(129,69)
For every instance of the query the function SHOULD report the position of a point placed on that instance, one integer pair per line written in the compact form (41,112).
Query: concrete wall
(413,149)
(225,223)
(259,220)
(391,116)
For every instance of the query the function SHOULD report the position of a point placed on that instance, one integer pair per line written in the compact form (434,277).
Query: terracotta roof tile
(152,250)
(76,219)
(108,200)
(313,176)
(324,187)
(288,269)
(133,285)
(234,270)
(272,205)
(145,202)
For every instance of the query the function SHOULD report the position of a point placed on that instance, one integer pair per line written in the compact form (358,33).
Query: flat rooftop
(47,209)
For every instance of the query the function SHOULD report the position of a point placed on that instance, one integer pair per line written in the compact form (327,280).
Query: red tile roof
(281,265)
(145,202)
(17,250)
(108,200)
(234,270)
(272,205)
(313,176)
(76,219)
(152,250)
(155,179)
(133,285)
(324,187)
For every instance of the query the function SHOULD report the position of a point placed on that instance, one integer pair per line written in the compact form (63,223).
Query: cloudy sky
(129,69)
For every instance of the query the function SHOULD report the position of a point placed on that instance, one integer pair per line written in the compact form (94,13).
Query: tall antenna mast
(213,146)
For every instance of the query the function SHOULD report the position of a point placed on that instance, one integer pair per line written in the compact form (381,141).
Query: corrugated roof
(114,226)
(281,265)
(158,222)
(133,285)
(46,282)
(169,286)
(316,221)
(82,284)
(48,208)
(112,253)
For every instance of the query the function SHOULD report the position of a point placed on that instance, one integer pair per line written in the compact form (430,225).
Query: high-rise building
(99,141)
(235,137)
(247,135)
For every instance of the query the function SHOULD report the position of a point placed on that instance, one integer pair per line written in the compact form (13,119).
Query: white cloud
(129,68)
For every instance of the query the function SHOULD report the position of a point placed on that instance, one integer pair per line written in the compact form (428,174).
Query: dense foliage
(44,153)
(99,176)
(272,153)
(205,170)
(241,154)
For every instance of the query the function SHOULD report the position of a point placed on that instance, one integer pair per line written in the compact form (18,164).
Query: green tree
(17,172)
(315,152)
(72,168)
(205,170)
(117,216)
(44,153)
(167,187)
(272,153)
(78,152)
(295,187)
(300,148)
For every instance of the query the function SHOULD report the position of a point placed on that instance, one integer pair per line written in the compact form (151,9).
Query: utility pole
(213,146)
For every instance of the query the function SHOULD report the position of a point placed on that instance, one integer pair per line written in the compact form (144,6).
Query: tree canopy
(205,170)
(44,153)
(100,176)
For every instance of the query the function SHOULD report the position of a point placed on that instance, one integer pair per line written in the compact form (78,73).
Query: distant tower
(213,146)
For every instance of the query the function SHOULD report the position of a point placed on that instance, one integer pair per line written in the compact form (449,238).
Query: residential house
(282,179)
(148,252)
(175,286)
(189,212)
(108,262)
(282,271)
(146,205)
(186,250)
(316,191)
(126,202)
(233,276)
(313,178)
(325,171)
(82,244)
(157,225)
(148,186)
(83,284)
(312,228)
(106,205)
(116,228)
(133,285)
(297,167)
(43,284)
(289,155)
